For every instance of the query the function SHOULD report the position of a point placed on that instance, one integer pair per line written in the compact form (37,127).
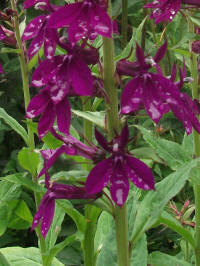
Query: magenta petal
(1,69)
(161,52)
(30,3)
(48,216)
(173,73)
(36,43)
(99,176)
(33,28)
(66,15)
(153,103)
(37,105)
(124,137)
(140,55)
(81,77)
(63,113)
(46,120)
(101,22)
(78,31)
(131,96)
(51,156)
(50,42)
(139,173)
(119,187)
(101,140)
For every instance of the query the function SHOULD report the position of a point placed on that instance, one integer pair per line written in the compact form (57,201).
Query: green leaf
(55,228)
(3,260)
(98,118)
(104,225)
(171,152)
(14,125)
(136,37)
(172,223)
(140,253)
(24,180)
(29,160)
(146,153)
(9,191)
(3,218)
(154,202)
(20,215)
(188,144)
(60,246)
(160,259)
(73,175)
(18,256)
(9,50)
(196,21)
(76,216)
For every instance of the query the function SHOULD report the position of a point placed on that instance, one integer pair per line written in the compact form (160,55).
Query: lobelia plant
(83,80)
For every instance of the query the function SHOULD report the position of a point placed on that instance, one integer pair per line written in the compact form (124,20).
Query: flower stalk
(124,22)
(113,127)
(25,80)
(196,187)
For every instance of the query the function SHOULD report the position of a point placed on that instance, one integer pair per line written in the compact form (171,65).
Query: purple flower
(117,169)
(85,19)
(7,36)
(166,10)
(46,208)
(64,76)
(71,146)
(1,69)
(37,30)
(154,92)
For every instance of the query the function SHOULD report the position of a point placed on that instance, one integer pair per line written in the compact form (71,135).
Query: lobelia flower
(190,108)
(46,209)
(118,169)
(37,30)
(64,76)
(1,69)
(71,146)
(153,91)
(7,36)
(166,10)
(85,19)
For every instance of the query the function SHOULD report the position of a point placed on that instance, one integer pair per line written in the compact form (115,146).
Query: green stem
(121,225)
(196,187)
(124,22)
(88,243)
(25,80)
(113,126)
(87,125)
(89,256)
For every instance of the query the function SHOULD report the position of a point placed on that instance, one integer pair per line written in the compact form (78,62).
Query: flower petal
(101,140)
(48,215)
(46,120)
(139,173)
(66,15)
(37,104)
(131,97)
(81,77)
(63,113)
(33,28)
(50,156)
(119,186)
(161,52)
(99,176)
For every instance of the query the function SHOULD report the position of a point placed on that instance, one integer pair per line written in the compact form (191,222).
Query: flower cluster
(154,92)
(166,10)
(66,73)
